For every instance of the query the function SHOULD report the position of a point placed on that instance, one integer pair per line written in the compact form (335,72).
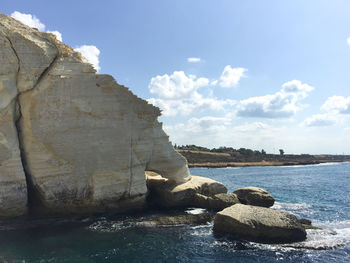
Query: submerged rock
(167,193)
(73,140)
(307,224)
(196,219)
(254,196)
(259,224)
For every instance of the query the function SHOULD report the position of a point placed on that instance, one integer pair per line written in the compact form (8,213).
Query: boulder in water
(259,224)
(216,202)
(254,196)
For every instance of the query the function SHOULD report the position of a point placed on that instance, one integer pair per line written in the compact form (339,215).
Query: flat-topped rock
(259,224)
(254,196)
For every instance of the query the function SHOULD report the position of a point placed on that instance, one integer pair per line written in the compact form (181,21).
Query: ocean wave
(195,211)
(332,235)
(312,165)
(202,230)
(293,207)
(109,226)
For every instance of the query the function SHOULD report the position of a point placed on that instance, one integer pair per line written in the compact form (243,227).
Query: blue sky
(263,74)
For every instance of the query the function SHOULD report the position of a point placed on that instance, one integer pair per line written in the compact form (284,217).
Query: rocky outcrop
(168,193)
(216,202)
(254,196)
(74,140)
(259,224)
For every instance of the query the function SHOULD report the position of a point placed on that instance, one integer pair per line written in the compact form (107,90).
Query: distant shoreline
(221,160)
(250,164)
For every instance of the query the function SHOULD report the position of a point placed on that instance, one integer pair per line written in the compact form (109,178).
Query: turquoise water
(319,192)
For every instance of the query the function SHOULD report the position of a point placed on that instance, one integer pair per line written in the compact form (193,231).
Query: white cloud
(179,93)
(208,124)
(336,108)
(33,21)
(252,127)
(176,86)
(91,53)
(57,34)
(319,120)
(29,20)
(348,40)
(337,104)
(193,60)
(284,103)
(230,77)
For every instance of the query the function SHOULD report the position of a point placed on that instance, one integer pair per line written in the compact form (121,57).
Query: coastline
(249,164)
(221,160)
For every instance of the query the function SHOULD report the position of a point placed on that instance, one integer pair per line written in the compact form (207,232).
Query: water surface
(317,192)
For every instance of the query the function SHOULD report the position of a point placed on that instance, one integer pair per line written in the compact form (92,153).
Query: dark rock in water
(198,219)
(254,196)
(307,224)
(259,224)
(217,202)
(305,221)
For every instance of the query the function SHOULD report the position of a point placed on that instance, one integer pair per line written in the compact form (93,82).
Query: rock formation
(254,196)
(259,224)
(216,202)
(167,193)
(72,140)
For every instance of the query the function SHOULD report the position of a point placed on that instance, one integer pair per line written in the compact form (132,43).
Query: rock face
(254,196)
(259,224)
(73,139)
(167,193)
(217,202)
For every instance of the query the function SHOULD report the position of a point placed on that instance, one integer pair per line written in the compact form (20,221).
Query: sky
(255,74)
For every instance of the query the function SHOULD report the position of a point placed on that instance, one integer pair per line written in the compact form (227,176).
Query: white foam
(108,226)
(195,211)
(333,235)
(293,207)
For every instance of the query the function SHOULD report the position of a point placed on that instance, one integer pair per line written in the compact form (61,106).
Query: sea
(320,193)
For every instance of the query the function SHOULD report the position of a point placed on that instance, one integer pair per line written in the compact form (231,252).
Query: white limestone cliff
(70,139)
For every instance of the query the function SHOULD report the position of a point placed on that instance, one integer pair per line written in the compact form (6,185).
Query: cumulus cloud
(193,60)
(179,93)
(230,77)
(252,127)
(284,103)
(337,104)
(57,34)
(336,109)
(176,86)
(348,40)
(91,53)
(33,21)
(318,120)
(29,20)
(208,124)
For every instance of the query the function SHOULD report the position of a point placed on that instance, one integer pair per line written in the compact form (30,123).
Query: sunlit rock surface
(76,141)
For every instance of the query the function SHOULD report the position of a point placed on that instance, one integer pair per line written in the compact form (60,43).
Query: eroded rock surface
(259,224)
(167,193)
(216,202)
(254,196)
(79,139)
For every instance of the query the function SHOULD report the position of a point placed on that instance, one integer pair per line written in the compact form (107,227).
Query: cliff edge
(72,140)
